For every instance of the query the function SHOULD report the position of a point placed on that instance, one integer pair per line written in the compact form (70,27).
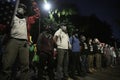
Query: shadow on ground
(105,74)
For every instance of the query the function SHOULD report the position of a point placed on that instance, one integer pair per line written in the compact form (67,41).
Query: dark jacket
(45,42)
(96,48)
(84,48)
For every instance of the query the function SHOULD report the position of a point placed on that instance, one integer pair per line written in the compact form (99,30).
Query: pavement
(104,74)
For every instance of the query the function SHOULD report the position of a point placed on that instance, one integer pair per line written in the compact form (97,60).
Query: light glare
(47,6)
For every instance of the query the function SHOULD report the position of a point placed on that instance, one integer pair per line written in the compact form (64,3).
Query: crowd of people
(59,56)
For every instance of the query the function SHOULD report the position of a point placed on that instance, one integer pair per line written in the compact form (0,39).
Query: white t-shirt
(19,28)
(63,39)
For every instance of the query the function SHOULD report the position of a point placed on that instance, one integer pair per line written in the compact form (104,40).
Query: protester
(98,55)
(17,45)
(61,38)
(45,47)
(75,55)
(83,56)
(90,56)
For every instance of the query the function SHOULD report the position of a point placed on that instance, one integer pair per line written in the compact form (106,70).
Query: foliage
(91,26)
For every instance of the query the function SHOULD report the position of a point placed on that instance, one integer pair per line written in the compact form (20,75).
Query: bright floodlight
(47,6)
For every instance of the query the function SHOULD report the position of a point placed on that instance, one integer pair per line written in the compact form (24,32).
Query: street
(106,74)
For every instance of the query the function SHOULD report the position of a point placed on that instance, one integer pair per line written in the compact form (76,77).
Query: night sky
(105,10)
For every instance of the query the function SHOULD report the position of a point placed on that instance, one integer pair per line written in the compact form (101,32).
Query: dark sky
(105,10)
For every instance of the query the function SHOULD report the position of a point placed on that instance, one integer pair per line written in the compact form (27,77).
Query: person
(84,56)
(17,46)
(113,56)
(61,39)
(45,47)
(90,56)
(98,55)
(75,55)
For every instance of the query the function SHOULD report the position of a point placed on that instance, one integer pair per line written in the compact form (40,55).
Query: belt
(19,39)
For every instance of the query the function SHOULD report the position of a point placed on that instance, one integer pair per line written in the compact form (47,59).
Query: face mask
(64,28)
(90,40)
(21,11)
(83,38)
(76,35)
